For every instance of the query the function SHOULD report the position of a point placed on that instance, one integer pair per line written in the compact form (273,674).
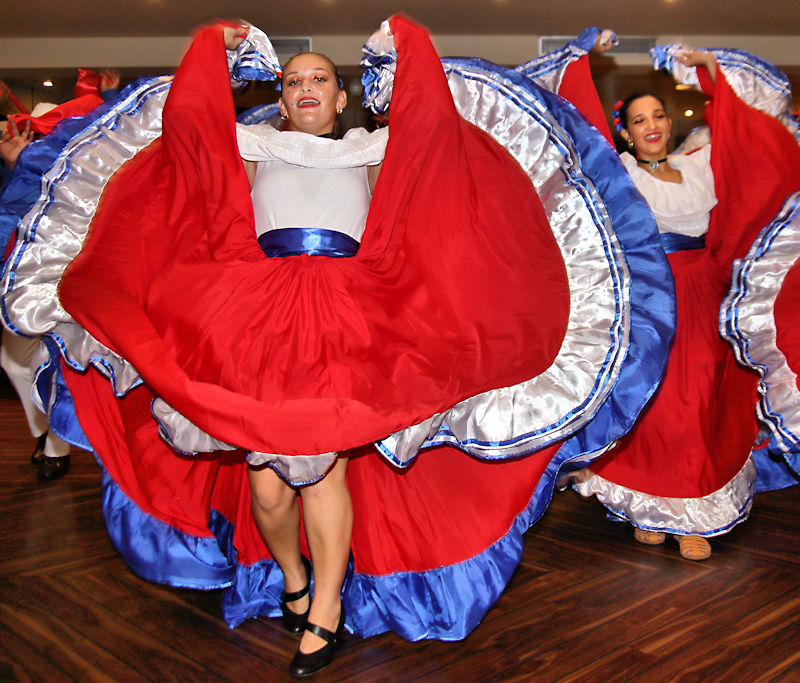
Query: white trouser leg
(15,359)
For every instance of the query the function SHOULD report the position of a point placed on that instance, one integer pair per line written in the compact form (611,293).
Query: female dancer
(451,325)
(686,467)
(311,98)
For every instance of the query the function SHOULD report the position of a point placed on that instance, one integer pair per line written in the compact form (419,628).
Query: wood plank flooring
(586,604)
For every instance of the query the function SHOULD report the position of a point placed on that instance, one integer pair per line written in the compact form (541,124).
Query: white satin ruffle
(709,515)
(57,224)
(262,142)
(748,323)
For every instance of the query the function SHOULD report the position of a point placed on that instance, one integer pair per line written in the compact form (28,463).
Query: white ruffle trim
(711,515)
(747,321)
(262,142)
(187,438)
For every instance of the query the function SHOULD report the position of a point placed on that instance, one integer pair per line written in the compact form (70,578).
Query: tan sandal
(694,548)
(649,537)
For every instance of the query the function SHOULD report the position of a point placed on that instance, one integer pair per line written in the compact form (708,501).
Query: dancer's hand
(605,41)
(234,35)
(13,142)
(109,80)
(690,57)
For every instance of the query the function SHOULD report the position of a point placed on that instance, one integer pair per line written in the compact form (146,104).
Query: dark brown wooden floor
(587,602)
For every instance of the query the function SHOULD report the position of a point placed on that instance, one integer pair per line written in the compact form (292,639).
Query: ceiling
(331,17)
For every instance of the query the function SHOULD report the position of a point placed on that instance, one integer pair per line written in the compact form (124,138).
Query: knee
(272,501)
(332,487)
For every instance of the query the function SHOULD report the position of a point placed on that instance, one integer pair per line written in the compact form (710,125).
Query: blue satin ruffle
(774,469)
(652,292)
(157,551)
(673,241)
(263,113)
(400,602)
(53,391)
(311,241)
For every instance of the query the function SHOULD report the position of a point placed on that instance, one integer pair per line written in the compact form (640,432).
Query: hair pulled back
(630,99)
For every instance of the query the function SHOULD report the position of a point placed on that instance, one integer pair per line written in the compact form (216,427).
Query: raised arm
(566,72)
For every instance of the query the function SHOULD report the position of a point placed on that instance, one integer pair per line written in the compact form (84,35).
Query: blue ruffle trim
(52,389)
(157,551)
(264,113)
(775,471)
(444,603)
(652,296)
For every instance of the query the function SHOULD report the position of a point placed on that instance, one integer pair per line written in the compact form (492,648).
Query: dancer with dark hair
(686,468)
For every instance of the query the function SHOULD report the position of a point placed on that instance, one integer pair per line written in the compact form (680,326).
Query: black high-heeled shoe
(295,622)
(306,664)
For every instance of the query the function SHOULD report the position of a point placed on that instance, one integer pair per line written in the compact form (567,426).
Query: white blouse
(303,181)
(682,207)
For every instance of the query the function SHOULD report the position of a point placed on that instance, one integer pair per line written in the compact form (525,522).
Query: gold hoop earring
(630,144)
(284,117)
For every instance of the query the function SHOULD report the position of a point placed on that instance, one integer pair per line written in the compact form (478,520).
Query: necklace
(652,164)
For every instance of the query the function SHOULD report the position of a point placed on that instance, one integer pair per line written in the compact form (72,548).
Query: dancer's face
(310,94)
(648,128)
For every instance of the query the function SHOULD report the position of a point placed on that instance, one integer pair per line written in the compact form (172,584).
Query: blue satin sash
(311,241)
(673,241)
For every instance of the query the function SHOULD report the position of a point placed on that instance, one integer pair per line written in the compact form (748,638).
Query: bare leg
(277,515)
(328,514)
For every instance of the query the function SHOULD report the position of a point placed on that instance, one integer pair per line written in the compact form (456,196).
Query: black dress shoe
(49,469)
(293,621)
(305,664)
(38,453)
